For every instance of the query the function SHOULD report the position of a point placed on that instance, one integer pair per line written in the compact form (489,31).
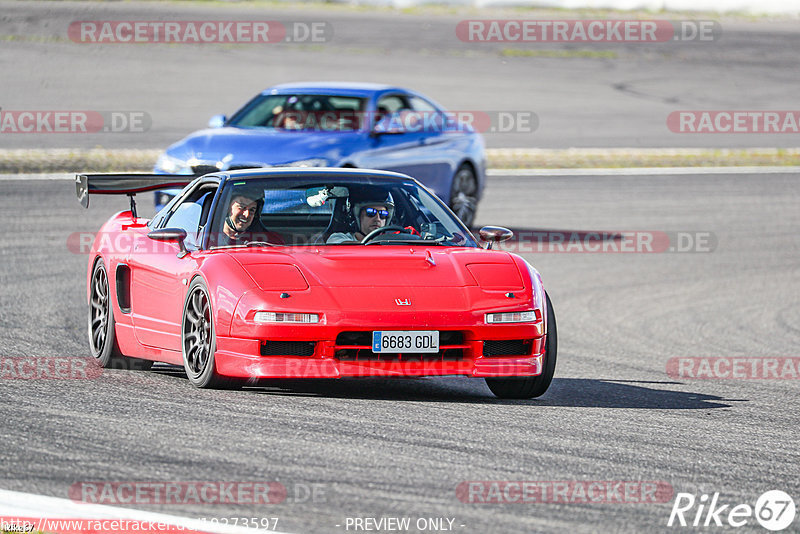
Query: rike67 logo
(774,510)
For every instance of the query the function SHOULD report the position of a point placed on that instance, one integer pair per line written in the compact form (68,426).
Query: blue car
(341,125)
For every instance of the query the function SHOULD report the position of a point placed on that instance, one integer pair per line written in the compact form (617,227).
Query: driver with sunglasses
(368,215)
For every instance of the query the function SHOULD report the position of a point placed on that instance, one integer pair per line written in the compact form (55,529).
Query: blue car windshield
(302,113)
(332,210)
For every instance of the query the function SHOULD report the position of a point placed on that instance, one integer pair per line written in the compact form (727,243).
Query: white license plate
(405,341)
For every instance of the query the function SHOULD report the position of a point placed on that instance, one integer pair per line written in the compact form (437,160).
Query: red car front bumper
(242,358)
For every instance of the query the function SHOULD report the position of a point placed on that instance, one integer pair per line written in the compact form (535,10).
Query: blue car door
(401,142)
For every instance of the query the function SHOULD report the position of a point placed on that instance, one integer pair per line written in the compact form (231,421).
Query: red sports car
(312,273)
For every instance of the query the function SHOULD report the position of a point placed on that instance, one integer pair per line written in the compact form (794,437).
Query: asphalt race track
(400,448)
(598,94)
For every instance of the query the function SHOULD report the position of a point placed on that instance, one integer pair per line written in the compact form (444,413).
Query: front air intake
(507,347)
(287,348)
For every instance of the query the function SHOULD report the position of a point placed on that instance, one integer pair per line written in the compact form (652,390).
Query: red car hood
(390,284)
(381,266)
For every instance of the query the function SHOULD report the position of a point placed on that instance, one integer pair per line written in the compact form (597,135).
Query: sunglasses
(372,212)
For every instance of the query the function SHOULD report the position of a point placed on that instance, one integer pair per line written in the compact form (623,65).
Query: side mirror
(171,235)
(217,121)
(390,124)
(495,234)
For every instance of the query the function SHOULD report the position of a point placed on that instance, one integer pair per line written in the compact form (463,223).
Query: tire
(464,194)
(532,386)
(199,339)
(102,331)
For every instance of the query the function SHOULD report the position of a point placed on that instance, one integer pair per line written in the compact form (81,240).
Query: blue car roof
(344,88)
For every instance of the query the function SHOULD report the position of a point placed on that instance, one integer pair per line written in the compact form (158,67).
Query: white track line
(646,171)
(29,505)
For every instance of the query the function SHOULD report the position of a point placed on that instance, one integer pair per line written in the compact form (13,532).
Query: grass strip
(23,161)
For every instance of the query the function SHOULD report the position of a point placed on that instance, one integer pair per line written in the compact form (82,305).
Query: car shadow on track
(610,393)
(567,392)
(563,392)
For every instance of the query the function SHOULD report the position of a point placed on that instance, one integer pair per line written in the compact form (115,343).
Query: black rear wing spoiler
(124,184)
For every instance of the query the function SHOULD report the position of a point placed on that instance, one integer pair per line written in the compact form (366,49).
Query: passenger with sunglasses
(368,216)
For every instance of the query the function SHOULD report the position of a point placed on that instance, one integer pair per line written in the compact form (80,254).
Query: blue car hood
(270,147)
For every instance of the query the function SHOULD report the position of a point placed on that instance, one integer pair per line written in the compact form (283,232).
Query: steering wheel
(382,230)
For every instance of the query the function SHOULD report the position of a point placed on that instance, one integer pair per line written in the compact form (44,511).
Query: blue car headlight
(172,165)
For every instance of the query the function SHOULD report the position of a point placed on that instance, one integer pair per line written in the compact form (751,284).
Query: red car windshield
(328,211)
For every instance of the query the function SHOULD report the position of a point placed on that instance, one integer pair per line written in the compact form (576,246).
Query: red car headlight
(511,317)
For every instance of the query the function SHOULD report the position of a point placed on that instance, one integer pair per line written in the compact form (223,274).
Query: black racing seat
(338,222)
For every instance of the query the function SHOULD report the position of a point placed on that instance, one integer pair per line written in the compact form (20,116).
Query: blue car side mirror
(217,121)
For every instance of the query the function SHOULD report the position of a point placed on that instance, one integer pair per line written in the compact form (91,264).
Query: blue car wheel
(464,194)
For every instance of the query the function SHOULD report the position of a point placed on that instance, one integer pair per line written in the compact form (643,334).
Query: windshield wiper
(260,244)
